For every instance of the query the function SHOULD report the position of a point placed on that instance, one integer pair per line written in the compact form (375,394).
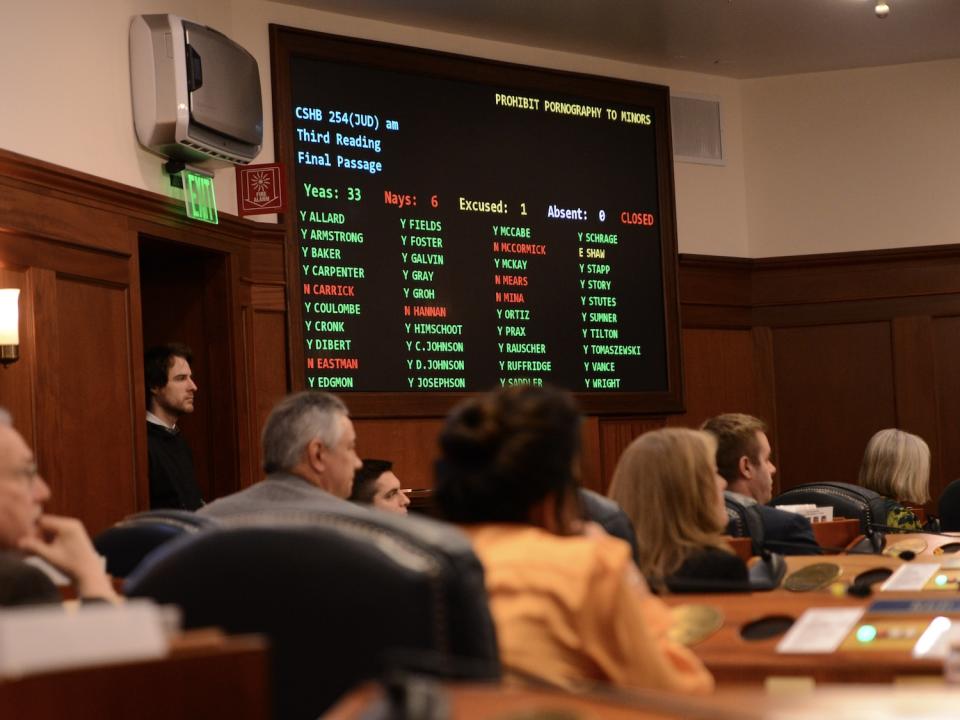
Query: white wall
(853,160)
(65,96)
(824,162)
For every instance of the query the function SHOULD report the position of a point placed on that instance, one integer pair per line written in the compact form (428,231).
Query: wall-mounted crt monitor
(461,224)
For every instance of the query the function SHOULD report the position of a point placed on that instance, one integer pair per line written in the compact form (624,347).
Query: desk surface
(853,564)
(850,565)
(475,702)
(933,542)
(500,702)
(734,660)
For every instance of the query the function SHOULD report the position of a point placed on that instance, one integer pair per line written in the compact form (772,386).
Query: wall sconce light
(882,9)
(9,326)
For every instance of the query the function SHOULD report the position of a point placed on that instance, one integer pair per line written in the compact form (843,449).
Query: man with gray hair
(308,457)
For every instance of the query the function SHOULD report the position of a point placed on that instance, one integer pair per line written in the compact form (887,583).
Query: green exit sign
(198,196)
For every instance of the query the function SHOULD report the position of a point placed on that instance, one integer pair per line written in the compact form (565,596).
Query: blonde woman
(667,482)
(896,464)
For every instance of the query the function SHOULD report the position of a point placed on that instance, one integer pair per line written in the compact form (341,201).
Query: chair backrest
(744,521)
(610,516)
(128,542)
(949,507)
(342,599)
(847,500)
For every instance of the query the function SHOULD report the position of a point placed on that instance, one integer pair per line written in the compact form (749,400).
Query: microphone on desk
(769,572)
(877,540)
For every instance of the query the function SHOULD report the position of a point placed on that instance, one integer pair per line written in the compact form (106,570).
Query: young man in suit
(743,459)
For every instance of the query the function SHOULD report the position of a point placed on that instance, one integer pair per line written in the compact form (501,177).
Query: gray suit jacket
(278,495)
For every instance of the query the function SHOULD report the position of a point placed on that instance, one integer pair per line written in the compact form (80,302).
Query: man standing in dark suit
(170,396)
(743,459)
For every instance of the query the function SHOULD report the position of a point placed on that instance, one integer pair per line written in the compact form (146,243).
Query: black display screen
(454,233)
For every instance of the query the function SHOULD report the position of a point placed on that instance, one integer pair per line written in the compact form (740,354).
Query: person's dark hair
(365,480)
(157,361)
(504,451)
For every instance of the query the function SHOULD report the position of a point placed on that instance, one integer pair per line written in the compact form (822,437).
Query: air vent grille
(697,126)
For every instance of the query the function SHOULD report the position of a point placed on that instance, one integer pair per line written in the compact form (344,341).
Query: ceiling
(734,38)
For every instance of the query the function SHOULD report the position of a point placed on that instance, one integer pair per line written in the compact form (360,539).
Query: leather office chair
(610,516)
(949,507)
(847,500)
(341,599)
(128,542)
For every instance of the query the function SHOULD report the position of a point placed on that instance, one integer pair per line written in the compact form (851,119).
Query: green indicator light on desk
(866,633)
(940,580)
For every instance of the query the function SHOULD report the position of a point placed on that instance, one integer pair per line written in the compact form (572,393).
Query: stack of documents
(811,512)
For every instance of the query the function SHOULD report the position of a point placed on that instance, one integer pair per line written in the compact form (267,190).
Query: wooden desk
(498,701)
(836,533)
(933,541)
(486,702)
(853,564)
(734,660)
(206,675)
(850,565)
(833,534)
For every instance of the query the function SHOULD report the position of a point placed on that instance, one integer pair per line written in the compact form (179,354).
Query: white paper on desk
(42,638)
(820,630)
(910,576)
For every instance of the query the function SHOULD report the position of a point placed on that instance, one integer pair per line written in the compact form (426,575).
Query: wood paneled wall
(843,345)
(828,349)
(72,244)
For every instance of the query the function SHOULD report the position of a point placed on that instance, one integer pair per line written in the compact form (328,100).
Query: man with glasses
(26,530)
